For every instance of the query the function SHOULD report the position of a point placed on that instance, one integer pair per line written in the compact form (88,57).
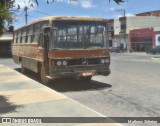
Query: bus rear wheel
(44,79)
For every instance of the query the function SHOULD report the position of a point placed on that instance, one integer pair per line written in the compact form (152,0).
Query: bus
(58,47)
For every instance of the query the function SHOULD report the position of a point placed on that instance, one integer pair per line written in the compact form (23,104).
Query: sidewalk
(155,59)
(21,96)
(136,53)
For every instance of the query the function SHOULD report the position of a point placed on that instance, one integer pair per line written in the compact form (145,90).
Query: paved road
(133,88)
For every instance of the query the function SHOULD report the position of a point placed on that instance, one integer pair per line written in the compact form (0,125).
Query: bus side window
(41,40)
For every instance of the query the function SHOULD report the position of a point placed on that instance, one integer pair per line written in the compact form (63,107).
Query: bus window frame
(37,29)
(15,37)
(54,41)
(41,40)
(19,36)
(79,32)
(35,37)
(29,34)
(23,35)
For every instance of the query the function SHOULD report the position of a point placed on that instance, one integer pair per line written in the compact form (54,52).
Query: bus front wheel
(44,79)
(23,69)
(88,78)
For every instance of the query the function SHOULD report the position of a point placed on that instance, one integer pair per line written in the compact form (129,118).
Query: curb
(155,59)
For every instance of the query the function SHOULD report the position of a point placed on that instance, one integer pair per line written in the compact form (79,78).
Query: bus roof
(73,18)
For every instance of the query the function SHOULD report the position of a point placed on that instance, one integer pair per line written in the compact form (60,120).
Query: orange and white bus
(63,47)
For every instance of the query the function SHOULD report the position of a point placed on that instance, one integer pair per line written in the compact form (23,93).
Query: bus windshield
(79,34)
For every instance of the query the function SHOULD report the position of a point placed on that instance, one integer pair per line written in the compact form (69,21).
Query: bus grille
(84,61)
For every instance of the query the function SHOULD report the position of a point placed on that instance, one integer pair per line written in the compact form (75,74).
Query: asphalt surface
(132,89)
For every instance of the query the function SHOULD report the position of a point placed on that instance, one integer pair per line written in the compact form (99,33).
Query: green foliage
(5,14)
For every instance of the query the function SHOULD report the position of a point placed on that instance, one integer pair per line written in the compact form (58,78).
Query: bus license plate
(87,73)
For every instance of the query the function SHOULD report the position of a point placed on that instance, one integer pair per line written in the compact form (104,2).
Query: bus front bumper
(79,71)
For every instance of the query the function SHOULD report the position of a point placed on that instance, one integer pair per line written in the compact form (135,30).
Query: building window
(123,26)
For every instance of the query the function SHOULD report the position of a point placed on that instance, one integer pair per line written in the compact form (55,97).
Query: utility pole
(124,35)
(124,26)
(26,15)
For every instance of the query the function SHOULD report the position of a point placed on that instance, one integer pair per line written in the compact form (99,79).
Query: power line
(21,19)
(33,16)
(26,14)
(21,14)
(42,13)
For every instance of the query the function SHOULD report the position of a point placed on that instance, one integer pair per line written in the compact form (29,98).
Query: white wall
(138,22)
(156,28)
(6,37)
(117,26)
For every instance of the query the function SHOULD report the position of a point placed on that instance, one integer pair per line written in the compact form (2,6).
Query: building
(142,39)
(150,13)
(123,25)
(5,43)
(110,32)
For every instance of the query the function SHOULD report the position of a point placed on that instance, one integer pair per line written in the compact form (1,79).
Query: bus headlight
(64,63)
(59,63)
(106,60)
(102,61)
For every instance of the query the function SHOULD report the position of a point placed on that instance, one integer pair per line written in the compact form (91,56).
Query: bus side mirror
(11,28)
(55,28)
(46,29)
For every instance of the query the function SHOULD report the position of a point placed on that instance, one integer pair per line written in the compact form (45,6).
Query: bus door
(46,45)
(44,41)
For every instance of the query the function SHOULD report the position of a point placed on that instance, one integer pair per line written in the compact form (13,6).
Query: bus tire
(86,79)
(23,69)
(44,79)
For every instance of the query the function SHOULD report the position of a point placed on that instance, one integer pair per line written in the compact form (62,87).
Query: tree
(6,14)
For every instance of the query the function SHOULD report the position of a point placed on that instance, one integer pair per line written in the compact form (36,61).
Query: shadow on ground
(6,106)
(69,84)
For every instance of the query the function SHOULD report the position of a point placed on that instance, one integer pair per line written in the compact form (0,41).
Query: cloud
(130,15)
(120,15)
(117,16)
(72,2)
(87,4)
(112,9)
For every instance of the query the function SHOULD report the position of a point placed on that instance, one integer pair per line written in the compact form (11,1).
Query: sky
(89,8)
